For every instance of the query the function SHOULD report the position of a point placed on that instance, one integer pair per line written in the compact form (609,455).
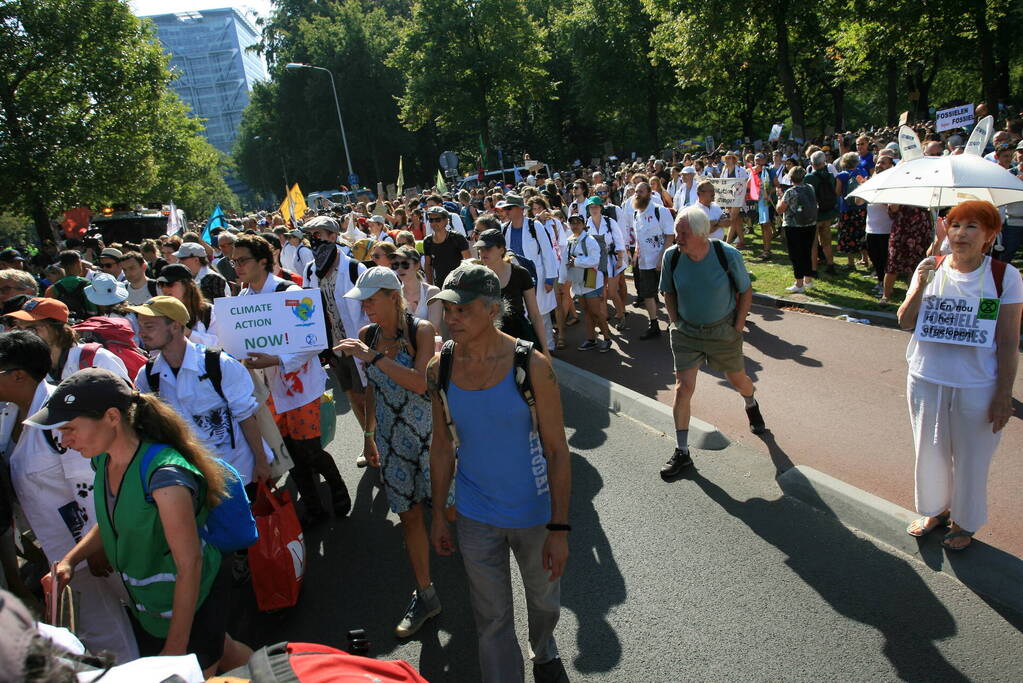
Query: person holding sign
(965,309)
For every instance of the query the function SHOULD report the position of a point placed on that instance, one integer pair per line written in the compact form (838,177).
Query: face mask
(323,254)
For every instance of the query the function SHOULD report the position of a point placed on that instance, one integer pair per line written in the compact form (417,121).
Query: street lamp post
(337,103)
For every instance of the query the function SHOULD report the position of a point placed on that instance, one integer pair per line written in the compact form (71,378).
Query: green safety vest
(136,545)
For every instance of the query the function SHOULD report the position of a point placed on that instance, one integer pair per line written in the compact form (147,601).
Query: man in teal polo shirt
(708,295)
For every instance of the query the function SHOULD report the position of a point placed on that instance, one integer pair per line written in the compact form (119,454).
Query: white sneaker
(794,289)
(809,285)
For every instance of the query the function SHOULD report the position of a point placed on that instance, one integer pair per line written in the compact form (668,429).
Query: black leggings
(800,241)
(877,249)
(311,461)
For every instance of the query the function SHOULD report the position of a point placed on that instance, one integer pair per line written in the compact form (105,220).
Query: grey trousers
(484,550)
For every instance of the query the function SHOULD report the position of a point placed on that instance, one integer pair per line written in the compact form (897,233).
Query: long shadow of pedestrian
(774,346)
(859,581)
(593,584)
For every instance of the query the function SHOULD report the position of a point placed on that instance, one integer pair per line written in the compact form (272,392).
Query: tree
(80,81)
(466,60)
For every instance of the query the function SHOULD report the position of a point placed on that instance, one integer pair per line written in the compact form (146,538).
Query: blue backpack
(230,525)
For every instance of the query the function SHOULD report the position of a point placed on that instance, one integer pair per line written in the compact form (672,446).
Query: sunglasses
(602,194)
(437,219)
(401,264)
(106,265)
(165,285)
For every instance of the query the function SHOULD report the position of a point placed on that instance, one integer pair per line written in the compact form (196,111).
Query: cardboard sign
(276,323)
(710,143)
(956,117)
(964,321)
(728,191)
(775,133)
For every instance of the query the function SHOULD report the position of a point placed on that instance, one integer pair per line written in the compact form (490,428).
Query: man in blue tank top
(513,478)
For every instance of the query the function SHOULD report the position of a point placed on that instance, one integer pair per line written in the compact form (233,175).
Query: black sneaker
(587,345)
(550,672)
(756,420)
(678,462)
(653,331)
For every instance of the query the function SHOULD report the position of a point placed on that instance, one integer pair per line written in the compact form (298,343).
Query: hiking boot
(424,605)
(604,346)
(550,672)
(653,331)
(587,345)
(678,462)
(756,420)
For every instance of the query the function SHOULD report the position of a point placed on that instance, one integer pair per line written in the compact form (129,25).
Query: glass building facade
(214,70)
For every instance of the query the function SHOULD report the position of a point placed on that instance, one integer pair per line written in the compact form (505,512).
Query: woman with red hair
(960,377)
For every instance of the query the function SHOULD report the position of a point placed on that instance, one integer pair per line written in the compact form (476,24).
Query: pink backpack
(116,336)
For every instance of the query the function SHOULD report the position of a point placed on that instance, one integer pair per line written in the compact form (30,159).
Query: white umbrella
(936,182)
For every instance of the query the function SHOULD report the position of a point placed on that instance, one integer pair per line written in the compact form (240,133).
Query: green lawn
(848,288)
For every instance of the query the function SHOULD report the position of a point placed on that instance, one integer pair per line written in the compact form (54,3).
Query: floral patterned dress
(912,234)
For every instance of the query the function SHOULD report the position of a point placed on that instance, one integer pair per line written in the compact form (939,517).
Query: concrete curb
(984,569)
(881,318)
(650,412)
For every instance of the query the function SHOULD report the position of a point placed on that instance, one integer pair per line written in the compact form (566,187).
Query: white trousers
(954,446)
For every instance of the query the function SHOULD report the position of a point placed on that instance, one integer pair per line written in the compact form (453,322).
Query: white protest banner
(280,322)
(966,321)
(728,191)
(775,133)
(956,117)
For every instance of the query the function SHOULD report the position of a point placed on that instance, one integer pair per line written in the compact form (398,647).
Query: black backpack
(523,350)
(411,323)
(78,305)
(719,251)
(825,188)
(211,363)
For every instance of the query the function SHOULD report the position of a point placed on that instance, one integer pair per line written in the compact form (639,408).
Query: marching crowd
(443,312)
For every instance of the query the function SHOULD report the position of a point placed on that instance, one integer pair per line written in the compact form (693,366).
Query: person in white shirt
(455,221)
(607,230)
(48,318)
(533,246)
(685,189)
(733,170)
(295,254)
(715,214)
(54,490)
(583,271)
(224,420)
(655,232)
(296,382)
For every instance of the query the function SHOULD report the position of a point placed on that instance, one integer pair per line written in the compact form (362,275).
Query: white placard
(956,117)
(281,322)
(728,191)
(775,133)
(964,321)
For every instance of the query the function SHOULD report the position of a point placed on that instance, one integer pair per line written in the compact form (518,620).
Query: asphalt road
(832,393)
(714,577)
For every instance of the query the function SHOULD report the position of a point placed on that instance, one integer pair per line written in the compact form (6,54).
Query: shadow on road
(859,581)
(774,346)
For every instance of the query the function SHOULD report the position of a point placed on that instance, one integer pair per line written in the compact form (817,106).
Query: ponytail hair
(156,421)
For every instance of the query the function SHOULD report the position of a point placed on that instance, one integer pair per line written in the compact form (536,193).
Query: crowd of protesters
(443,312)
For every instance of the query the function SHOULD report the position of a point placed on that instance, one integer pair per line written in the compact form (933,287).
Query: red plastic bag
(277,560)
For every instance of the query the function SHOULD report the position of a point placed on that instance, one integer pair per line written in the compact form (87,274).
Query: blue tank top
(501,477)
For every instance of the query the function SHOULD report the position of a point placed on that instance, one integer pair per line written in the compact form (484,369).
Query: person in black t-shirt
(521,317)
(444,249)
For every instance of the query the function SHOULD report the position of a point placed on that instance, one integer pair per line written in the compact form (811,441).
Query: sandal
(921,525)
(962,533)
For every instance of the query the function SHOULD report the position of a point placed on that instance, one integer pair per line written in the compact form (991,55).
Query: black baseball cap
(85,392)
(11,255)
(490,238)
(174,272)
(468,282)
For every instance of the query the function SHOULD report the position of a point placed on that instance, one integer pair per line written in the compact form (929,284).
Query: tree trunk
(892,92)
(985,46)
(785,74)
(651,115)
(838,99)
(1005,47)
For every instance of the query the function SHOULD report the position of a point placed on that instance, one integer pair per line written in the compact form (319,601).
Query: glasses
(437,219)
(404,265)
(243,260)
(106,265)
(602,194)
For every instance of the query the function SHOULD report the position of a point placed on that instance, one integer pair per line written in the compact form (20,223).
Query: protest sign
(956,117)
(775,133)
(710,143)
(965,321)
(904,118)
(728,191)
(276,323)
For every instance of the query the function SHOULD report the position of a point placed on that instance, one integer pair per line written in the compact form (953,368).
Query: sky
(146,7)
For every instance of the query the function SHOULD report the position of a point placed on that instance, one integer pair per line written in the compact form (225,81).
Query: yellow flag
(441,185)
(293,207)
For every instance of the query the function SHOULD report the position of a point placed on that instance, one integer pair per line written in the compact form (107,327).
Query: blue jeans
(1012,237)
(484,551)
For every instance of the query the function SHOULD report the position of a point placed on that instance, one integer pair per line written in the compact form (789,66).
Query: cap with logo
(511,200)
(87,391)
(371,281)
(163,307)
(190,249)
(41,308)
(105,290)
(174,272)
(490,238)
(467,282)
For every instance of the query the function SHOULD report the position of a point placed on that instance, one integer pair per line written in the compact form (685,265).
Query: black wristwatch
(376,358)
(559,527)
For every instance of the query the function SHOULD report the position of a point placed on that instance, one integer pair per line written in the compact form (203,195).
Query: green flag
(441,185)
(483,152)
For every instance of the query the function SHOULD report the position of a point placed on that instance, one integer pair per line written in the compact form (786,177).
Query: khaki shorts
(720,344)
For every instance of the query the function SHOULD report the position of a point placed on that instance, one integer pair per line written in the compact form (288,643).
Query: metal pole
(337,103)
